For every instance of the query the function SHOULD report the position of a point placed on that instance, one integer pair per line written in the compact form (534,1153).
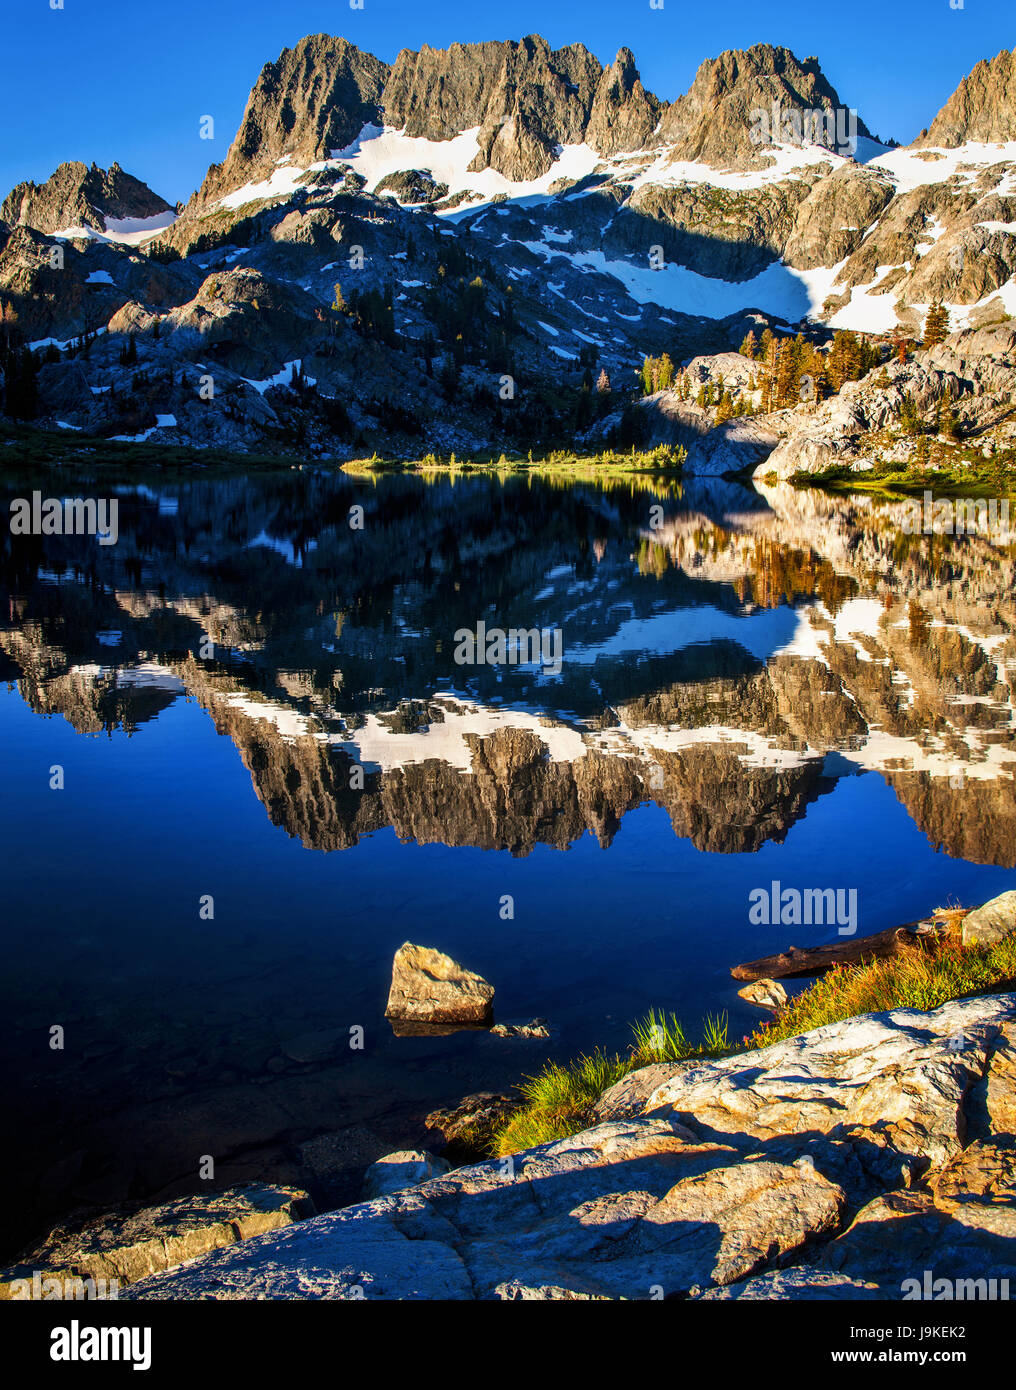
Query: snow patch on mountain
(284,182)
(909,168)
(122,231)
(378,152)
(787,159)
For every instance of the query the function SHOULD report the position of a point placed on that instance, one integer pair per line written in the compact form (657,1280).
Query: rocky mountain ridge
(578,221)
(79,196)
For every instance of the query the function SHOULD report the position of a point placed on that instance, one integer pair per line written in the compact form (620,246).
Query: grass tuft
(559,1100)
(915,979)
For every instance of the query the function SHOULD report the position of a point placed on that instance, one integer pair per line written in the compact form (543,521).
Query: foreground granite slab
(122,1248)
(839,1164)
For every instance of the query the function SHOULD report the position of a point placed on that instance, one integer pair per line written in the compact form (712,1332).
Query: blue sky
(108,80)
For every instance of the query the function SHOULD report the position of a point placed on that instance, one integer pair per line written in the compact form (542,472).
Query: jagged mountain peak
(624,115)
(524,97)
(982,108)
(79,195)
(717,121)
(314,98)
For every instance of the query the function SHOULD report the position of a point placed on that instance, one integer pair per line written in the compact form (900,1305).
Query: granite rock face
(315,98)
(832,221)
(623,116)
(983,106)
(129,1248)
(713,122)
(841,1164)
(77,195)
(973,372)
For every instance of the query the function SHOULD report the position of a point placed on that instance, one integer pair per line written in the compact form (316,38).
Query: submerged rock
(429,987)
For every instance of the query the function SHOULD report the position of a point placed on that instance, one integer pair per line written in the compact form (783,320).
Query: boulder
(429,987)
(395,1172)
(990,922)
(468,1127)
(767,994)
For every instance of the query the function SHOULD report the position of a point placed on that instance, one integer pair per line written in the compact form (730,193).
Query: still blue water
(177,785)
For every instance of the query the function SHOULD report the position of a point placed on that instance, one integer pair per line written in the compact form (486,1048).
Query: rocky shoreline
(842,1163)
(775,1174)
(771,1173)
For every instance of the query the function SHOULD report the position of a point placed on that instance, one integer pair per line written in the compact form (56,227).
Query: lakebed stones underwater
(772,1173)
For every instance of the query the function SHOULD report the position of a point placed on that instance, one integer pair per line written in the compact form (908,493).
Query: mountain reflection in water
(766,685)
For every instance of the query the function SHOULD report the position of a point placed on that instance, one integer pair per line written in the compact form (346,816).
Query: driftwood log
(813,960)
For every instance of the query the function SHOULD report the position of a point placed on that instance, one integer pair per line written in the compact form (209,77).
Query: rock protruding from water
(430,988)
(123,1248)
(767,994)
(533,1029)
(404,1168)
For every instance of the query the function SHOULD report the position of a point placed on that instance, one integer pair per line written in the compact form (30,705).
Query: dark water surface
(762,686)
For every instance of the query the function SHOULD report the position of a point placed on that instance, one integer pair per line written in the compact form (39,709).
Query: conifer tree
(936,325)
